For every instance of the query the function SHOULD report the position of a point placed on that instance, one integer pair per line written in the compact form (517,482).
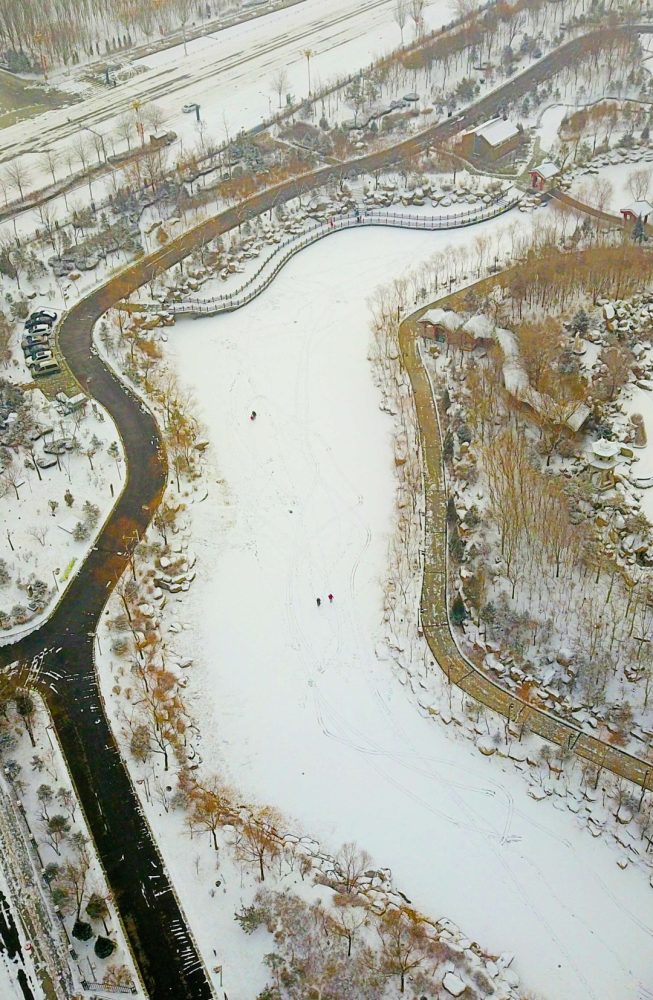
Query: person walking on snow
(253,416)
(319,601)
(330,598)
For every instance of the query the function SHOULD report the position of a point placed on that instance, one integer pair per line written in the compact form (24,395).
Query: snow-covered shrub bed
(60,475)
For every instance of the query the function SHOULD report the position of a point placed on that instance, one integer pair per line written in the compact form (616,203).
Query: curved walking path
(57,658)
(435,605)
(270,268)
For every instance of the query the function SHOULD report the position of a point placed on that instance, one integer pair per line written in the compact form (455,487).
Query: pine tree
(458,611)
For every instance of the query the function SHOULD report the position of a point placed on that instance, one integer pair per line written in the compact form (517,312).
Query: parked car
(48,315)
(38,328)
(37,357)
(44,368)
(188,108)
(34,340)
(34,321)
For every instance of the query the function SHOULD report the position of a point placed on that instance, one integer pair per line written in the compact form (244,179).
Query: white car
(188,108)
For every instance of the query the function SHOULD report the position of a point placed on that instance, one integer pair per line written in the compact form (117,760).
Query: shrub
(250,918)
(81,532)
(104,947)
(84,932)
(456,547)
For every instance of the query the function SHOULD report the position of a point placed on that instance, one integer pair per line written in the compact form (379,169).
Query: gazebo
(542,174)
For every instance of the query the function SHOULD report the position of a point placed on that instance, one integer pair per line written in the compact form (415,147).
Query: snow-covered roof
(451,321)
(507,343)
(576,420)
(639,208)
(547,170)
(604,448)
(433,316)
(496,131)
(446,318)
(479,326)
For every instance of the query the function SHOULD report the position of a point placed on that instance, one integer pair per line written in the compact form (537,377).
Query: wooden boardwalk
(434,601)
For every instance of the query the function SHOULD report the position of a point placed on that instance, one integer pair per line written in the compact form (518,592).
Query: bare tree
(400,14)
(18,175)
(351,863)
(39,534)
(81,151)
(279,82)
(348,918)
(417,14)
(50,160)
(258,844)
(211,807)
(404,941)
(72,877)
(125,128)
(55,830)
(638,183)
(154,117)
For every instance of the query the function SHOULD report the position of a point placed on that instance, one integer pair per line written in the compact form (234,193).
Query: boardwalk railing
(269,269)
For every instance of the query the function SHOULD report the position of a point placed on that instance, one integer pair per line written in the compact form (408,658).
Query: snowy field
(291,697)
(228,73)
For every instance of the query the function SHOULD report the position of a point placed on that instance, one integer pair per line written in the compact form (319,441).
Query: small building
(491,140)
(446,326)
(70,404)
(440,324)
(162,138)
(540,176)
(638,210)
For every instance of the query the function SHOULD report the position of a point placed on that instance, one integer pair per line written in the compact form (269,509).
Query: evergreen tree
(458,611)
(581,322)
(83,931)
(104,947)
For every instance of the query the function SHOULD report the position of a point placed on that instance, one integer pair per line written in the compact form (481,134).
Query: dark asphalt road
(60,653)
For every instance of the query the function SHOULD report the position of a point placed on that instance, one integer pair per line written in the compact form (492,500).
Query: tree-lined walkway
(434,601)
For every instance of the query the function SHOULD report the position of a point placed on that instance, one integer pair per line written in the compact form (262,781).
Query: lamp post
(87,128)
(269,101)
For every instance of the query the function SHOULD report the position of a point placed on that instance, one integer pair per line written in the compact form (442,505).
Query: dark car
(44,315)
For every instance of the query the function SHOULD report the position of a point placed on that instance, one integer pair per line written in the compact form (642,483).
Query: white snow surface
(291,698)
(228,73)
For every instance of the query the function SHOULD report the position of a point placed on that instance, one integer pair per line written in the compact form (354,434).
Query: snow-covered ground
(618,175)
(228,74)
(41,511)
(291,698)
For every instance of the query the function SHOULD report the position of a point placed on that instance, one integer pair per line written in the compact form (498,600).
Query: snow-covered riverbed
(291,697)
